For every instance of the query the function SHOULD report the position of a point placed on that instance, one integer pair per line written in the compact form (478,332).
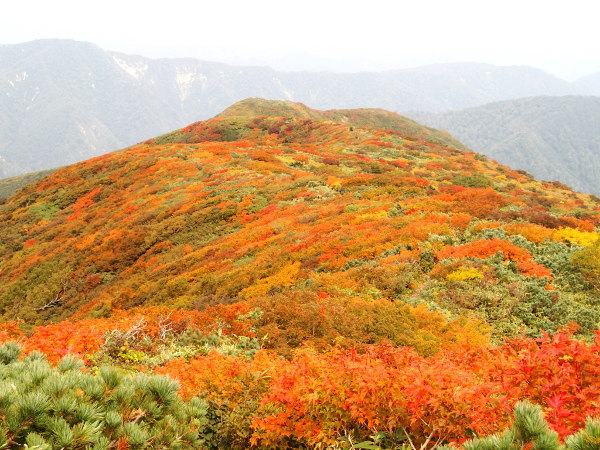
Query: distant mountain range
(63,101)
(554,138)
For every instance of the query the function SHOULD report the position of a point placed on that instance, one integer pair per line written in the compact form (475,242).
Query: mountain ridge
(366,117)
(78,101)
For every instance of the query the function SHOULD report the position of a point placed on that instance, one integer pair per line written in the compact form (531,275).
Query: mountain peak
(360,117)
(262,107)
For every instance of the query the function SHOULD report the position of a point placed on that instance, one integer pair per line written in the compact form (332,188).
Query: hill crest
(272,210)
(361,117)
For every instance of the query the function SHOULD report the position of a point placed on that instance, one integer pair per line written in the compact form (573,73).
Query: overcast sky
(559,37)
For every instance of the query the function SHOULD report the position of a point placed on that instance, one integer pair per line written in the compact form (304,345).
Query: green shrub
(52,407)
(473,181)
(530,430)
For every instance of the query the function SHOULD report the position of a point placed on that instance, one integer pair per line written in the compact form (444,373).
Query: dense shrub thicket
(308,283)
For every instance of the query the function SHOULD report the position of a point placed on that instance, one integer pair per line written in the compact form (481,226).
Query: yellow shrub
(574,236)
(463,274)
(284,278)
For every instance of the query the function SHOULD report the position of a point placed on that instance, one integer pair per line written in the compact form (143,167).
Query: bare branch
(57,298)
(424,446)
(409,439)
(165,325)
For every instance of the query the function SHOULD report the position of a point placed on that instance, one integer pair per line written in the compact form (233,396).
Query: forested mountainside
(554,138)
(307,281)
(65,101)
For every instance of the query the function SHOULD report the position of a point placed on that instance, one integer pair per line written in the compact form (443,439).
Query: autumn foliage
(318,397)
(488,247)
(317,278)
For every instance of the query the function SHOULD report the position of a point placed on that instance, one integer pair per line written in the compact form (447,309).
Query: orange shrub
(487,247)
(530,231)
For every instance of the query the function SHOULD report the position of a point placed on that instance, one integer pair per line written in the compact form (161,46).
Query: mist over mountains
(63,101)
(589,84)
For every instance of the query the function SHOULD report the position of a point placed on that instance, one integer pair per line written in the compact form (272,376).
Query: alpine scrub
(64,406)
(311,279)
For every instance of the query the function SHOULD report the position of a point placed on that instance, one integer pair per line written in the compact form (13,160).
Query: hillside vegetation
(8,186)
(554,138)
(308,281)
(366,117)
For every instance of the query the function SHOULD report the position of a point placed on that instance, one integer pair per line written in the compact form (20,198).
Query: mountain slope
(282,211)
(303,277)
(554,138)
(8,186)
(64,101)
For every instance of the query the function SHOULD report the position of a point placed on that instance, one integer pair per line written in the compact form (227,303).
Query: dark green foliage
(9,353)
(62,406)
(529,427)
(586,439)
(530,430)
(560,259)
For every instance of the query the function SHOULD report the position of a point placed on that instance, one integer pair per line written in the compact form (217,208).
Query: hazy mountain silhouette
(63,101)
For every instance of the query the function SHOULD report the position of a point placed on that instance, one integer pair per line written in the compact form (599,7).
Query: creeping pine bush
(44,406)
(530,430)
